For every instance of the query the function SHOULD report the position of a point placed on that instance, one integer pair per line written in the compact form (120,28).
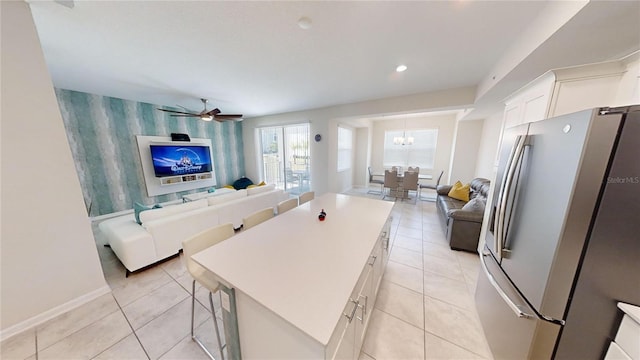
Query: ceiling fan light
(206,117)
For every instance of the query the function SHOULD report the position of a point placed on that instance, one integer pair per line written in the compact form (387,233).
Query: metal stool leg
(215,324)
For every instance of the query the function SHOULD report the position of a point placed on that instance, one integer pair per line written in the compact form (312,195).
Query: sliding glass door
(285,157)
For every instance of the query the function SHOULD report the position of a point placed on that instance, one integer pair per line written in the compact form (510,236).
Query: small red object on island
(322,215)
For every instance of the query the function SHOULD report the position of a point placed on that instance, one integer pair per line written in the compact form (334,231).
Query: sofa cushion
(138,208)
(475,205)
(170,210)
(215,200)
(459,191)
(443,189)
(260,189)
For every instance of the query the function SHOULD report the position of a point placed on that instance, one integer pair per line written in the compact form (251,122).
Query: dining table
(400,192)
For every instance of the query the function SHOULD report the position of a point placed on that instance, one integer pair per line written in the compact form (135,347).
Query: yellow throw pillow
(459,191)
(262,183)
(252,186)
(229,187)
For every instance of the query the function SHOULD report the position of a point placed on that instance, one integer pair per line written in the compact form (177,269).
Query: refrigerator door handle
(503,199)
(497,245)
(508,185)
(519,313)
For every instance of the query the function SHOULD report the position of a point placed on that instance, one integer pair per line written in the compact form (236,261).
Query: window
(345,146)
(421,153)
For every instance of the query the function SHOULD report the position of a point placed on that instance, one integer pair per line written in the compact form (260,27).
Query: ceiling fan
(206,115)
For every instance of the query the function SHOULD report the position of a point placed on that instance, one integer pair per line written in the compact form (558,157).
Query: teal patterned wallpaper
(101,132)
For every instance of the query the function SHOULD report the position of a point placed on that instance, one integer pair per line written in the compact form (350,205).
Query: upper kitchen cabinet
(568,90)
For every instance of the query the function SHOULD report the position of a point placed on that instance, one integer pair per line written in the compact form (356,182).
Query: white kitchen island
(303,288)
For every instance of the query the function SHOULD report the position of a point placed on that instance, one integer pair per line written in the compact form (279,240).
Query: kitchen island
(301,287)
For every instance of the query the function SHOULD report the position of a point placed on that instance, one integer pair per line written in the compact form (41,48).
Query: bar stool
(286,205)
(190,247)
(307,196)
(257,218)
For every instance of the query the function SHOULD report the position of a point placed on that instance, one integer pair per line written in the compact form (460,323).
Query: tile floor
(424,309)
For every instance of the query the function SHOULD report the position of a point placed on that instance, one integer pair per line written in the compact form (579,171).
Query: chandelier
(403,140)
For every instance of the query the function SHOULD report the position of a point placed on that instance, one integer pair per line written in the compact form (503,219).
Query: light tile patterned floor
(424,309)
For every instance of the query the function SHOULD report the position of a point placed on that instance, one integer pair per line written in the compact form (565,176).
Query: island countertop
(299,267)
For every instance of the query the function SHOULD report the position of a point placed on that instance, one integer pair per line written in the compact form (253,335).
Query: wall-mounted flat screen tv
(175,160)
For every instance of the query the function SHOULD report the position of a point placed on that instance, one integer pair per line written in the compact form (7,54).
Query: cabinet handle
(373,260)
(364,308)
(353,312)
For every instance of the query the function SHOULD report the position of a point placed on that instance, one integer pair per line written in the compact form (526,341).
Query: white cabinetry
(626,345)
(564,91)
(349,335)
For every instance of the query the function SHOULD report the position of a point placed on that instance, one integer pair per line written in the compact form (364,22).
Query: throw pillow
(262,183)
(138,208)
(242,183)
(474,205)
(459,191)
(211,190)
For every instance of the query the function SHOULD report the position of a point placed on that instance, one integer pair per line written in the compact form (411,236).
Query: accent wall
(102,136)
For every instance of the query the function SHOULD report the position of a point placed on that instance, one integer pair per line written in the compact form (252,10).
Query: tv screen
(174,160)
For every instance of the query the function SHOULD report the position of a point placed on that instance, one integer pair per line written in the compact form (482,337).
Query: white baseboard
(51,313)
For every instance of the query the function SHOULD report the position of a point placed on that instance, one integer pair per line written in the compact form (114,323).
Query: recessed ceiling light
(401,68)
(305,23)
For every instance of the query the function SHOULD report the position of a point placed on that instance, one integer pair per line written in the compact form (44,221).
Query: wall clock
(318,137)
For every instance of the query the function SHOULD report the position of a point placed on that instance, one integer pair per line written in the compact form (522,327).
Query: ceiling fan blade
(186,115)
(228,116)
(177,112)
(213,112)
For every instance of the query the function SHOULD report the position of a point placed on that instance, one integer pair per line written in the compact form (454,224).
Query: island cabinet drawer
(348,336)
(344,342)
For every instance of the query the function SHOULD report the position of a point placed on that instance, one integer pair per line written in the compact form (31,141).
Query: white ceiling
(253,58)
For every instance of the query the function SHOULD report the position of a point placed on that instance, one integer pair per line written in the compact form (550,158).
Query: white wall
(324,121)
(486,162)
(446,128)
(465,151)
(361,149)
(49,260)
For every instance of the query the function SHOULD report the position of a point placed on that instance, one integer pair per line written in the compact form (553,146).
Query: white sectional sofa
(162,231)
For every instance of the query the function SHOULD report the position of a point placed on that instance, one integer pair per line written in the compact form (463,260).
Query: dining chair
(191,246)
(431,186)
(286,205)
(410,183)
(375,181)
(391,182)
(306,196)
(257,217)
(414,169)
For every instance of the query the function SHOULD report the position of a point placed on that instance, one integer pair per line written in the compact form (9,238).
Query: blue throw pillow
(138,208)
(242,183)
(211,190)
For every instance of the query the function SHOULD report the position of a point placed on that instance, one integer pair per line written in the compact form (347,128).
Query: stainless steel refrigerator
(562,246)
